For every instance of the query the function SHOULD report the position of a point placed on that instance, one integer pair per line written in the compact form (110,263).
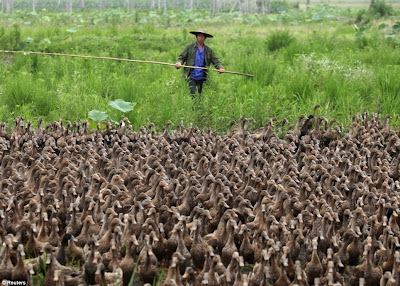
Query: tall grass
(313,63)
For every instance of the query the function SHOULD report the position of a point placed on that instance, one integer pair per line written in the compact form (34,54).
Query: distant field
(299,59)
(346,3)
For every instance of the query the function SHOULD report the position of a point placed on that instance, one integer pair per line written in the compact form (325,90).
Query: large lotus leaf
(383,26)
(390,35)
(97,115)
(72,30)
(122,105)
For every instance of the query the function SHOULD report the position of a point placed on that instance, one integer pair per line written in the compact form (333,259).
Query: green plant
(381,9)
(119,105)
(278,40)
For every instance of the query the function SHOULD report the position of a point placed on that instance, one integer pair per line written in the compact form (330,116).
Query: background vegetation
(346,59)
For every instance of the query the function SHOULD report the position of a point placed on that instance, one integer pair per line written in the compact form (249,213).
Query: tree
(68,6)
(10,6)
(212,7)
(130,5)
(33,5)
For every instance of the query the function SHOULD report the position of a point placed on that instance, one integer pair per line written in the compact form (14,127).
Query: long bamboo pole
(116,59)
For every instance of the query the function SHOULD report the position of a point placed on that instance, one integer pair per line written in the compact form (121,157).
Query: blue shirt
(198,74)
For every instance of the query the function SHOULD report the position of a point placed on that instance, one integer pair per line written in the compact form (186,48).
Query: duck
(127,264)
(104,242)
(148,263)
(20,271)
(372,274)
(105,278)
(61,256)
(173,277)
(90,266)
(185,256)
(354,251)
(74,253)
(313,268)
(246,249)
(234,266)
(6,266)
(230,246)
(199,247)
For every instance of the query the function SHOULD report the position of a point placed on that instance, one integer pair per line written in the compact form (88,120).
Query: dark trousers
(195,86)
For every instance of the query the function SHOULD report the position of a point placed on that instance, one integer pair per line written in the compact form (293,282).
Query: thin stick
(117,59)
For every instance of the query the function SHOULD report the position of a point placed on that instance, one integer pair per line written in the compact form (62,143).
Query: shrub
(278,7)
(381,9)
(362,16)
(278,40)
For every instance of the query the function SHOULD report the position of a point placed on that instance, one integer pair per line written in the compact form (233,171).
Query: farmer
(199,55)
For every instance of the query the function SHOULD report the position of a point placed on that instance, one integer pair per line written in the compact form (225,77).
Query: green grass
(299,59)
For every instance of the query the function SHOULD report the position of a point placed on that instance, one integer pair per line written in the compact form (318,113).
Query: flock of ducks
(309,204)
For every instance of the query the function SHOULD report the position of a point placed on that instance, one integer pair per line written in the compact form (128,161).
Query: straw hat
(201,31)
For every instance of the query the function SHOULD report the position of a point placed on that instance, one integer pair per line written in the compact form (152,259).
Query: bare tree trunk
(159,5)
(152,4)
(10,6)
(33,5)
(2,6)
(101,5)
(165,6)
(82,3)
(130,5)
(372,3)
(233,7)
(212,8)
(69,6)
(219,6)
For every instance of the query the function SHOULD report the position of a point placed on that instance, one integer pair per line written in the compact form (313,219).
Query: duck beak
(14,240)
(184,276)
(241,262)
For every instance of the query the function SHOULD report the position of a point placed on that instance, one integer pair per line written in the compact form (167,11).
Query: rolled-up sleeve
(215,60)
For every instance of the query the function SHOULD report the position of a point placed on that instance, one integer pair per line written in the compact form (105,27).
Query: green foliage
(278,7)
(278,40)
(363,16)
(299,58)
(381,9)
(122,105)
(98,116)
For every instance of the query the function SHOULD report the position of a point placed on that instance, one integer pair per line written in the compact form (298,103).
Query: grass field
(344,3)
(299,58)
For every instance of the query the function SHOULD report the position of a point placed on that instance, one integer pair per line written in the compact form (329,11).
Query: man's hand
(221,70)
(178,65)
